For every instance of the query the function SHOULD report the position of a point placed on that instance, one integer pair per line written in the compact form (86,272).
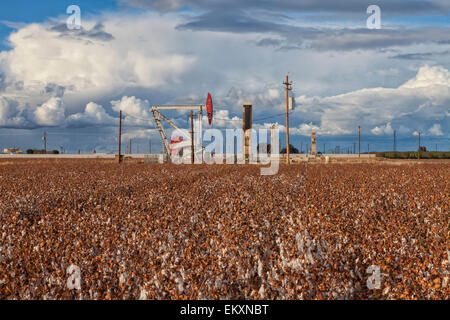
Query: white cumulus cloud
(381,130)
(132,106)
(50,113)
(435,130)
(94,114)
(420,101)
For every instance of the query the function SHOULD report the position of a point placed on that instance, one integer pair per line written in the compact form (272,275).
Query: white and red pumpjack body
(186,135)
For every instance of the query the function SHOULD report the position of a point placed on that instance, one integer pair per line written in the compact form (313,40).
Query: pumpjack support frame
(158,116)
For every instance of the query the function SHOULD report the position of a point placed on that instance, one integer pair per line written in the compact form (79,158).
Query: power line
(272,116)
(151,120)
(395,140)
(259,119)
(227,119)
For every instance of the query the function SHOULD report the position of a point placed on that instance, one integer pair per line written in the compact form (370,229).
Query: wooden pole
(45,142)
(418,152)
(287,84)
(192,139)
(287,120)
(359,141)
(120,137)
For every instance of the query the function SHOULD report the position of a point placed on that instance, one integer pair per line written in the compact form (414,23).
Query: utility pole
(130,147)
(150,146)
(418,153)
(354,147)
(324,148)
(359,141)
(192,138)
(44,137)
(395,140)
(120,137)
(288,88)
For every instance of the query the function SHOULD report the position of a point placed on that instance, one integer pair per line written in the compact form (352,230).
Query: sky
(131,54)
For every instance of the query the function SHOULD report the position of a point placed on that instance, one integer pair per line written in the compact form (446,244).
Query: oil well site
(322,226)
(177,226)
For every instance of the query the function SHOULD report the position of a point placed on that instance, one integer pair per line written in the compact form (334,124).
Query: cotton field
(94,229)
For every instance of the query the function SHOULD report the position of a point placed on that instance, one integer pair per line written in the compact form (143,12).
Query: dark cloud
(5,83)
(55,90)
(421,55)
(2,82)
(159,5)
(269,42)
(96,33)
(353,39)
(10,115)
(305,6)
(232,22)
(279,17)
(413,56)
(19,85)
(383,40)
(297,38)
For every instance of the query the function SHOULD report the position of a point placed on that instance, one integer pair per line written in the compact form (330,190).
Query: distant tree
(423,149)
(292,150)
(38,151)
(264,148)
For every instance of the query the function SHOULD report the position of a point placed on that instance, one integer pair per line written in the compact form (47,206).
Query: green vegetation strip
(413,155)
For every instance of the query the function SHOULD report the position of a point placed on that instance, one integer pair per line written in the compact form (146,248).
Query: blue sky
(131,54)
(38,11)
